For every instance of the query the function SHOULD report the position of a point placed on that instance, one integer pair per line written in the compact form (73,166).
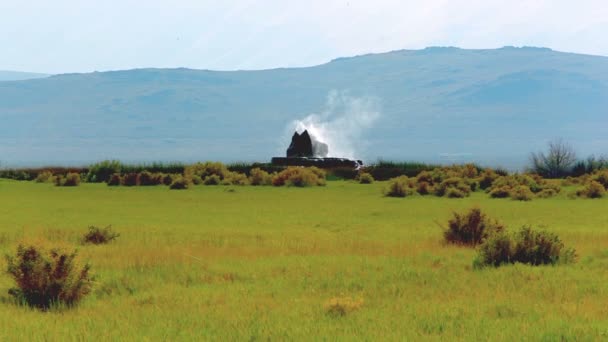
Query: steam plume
(342,124)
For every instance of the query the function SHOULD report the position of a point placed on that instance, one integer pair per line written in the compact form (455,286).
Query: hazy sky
(86,35)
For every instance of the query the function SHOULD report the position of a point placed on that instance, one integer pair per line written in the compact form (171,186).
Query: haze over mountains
(436,104)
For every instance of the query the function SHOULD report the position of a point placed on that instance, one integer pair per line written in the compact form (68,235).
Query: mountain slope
(19,76)
(492,106)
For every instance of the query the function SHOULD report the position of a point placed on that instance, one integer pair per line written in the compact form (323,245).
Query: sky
(63,36)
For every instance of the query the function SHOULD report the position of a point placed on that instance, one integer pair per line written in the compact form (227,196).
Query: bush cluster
(456,181)
(300,177)
(103,171)
(144,178)
(497,247)
(592,189)
(527,246)
(522,187)
(47,277)
(214,173)
(71,179)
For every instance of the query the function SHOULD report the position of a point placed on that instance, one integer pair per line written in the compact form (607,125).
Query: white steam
(341,125)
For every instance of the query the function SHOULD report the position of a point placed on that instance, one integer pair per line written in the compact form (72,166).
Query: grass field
(263,263)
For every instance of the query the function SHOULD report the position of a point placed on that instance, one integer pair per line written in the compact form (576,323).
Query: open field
(263,262)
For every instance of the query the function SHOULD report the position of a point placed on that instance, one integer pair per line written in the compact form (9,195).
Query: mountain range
(437,104)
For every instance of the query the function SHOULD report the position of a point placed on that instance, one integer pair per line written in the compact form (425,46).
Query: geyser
(306,150)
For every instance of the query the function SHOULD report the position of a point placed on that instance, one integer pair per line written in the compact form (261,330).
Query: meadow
(258,263)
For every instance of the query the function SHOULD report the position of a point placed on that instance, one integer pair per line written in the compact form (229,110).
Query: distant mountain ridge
(492,106)
(6,75)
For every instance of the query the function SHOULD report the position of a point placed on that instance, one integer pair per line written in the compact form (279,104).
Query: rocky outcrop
(304,145)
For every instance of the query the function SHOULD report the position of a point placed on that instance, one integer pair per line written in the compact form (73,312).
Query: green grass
(263,262)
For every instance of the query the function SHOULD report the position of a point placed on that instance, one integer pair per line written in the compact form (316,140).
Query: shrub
(180,183)
(304,178)
(196,180)
(486,179)
(44,176)
(538,247)
(71,179)
(146,178)
(258,176)
(212,180)
(546,193)
(470,228)
(455,193)
(115,180)
(236,178)
(204,170)
(495,251)
(526,246)
(399,187)
(424,188)
(300,177)
(459,186)
(168,179)
(592,189)
(522,193)
(602,178)
(58,180)
(102,171)
(129,179)
(98,236)
(46,277)
(365,178)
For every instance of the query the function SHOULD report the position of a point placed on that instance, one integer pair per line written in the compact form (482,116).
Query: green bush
(48,277)
(236,178)
(204,170)
(424,188)
(365,178)
(167,179)
(539,247)
(98,236)
(486,178)
(299,177)
(527,246)
(455,193)
(592,189)
(500,192)
(146,178)
(102,171)
(114,180)
(180,183)
(495,251)
(44,176)
(458,185)
(129,179)
(71,179)
(546,193)
(522,193)
(399,187)
(602,178)
(470,228)
(258,176)
(212,180)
